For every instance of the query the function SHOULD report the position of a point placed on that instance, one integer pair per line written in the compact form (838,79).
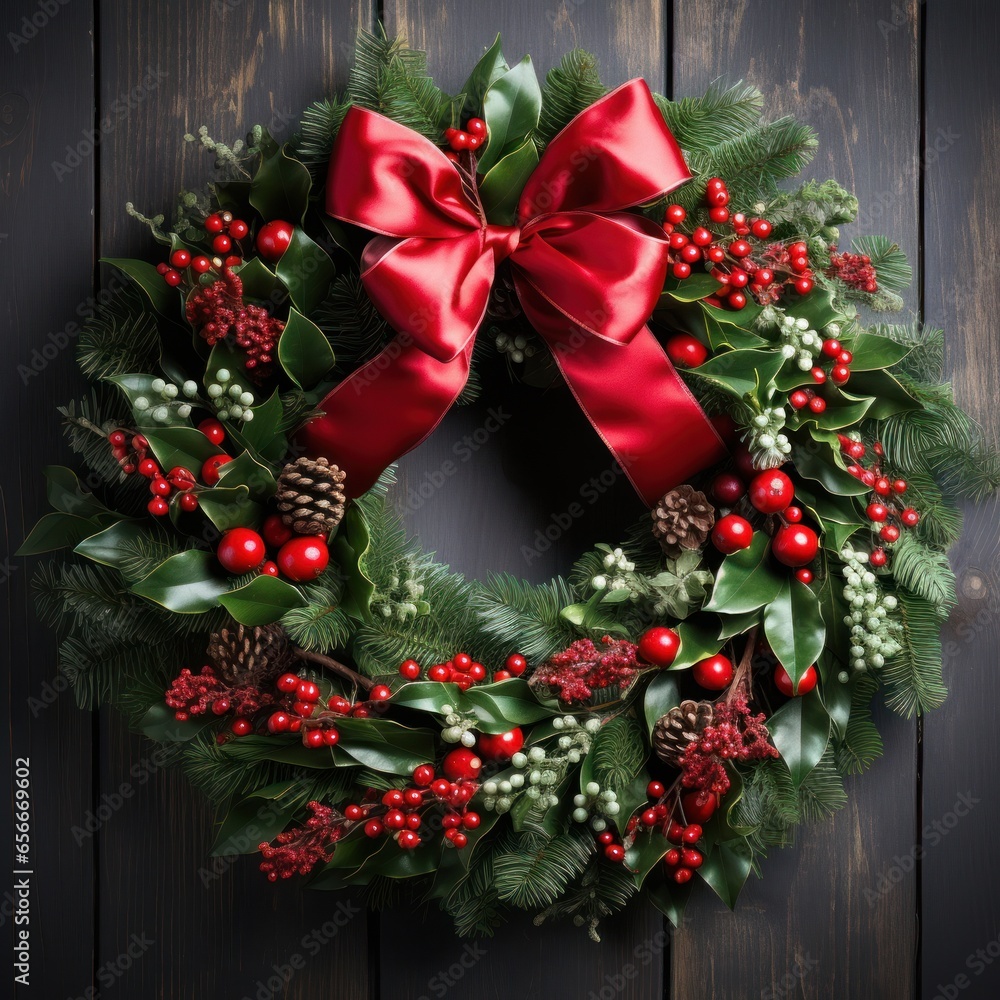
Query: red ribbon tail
(385,409)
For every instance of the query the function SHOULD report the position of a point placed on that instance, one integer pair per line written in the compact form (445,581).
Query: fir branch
(537,869)
(618,753)
(474,904)
(318,130)
(119,336)
(925,362)
(822,792)
(599,892)
(87,422)
(720,115)
(890,263)
(355,327)
(923,571)
(862,744)
(913,678)
(769,806)
(813,209)
(569,88)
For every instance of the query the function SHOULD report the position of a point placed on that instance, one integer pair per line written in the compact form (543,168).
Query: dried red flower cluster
(218,310)
(576,672)
(195,694)
(854,269)
(301,849)
(735,734)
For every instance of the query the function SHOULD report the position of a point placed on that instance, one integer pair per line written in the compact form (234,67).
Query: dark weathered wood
(810,928)
(225,64)
(46,258)
(485,516)
(960,868)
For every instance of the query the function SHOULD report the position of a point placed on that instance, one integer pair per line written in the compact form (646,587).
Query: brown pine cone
(681,726)
(311,496)
(682,519)
(244,655)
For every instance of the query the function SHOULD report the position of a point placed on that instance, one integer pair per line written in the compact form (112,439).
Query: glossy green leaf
(872,351)
(384,745)
(114,545)
(350,549)
(230,507)
(889,395)
(741,371)
(746,580)
(698,640)
(258,818)
(306,270)
(160,723)
(259,282)
(245,470)
(280,187)
(800,729)
(670,899)
(427,696)
(815,460)
(262,601)
(817,307)
(698,286)
(64,492)
(501,188)
(505,704)
(164,299)
(662,694)
(260,436)
(511,108)
(304,352)
(485,73)
(187,583)
(181,446)
(56,530)
(794,627)
(733,625)
(726,870)
(645,854)
(139,386)
(843,412)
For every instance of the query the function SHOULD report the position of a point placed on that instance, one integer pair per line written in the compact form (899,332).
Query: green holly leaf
(258,818)
(505,704)
(645,854)
(698,286)
(115,545)
(181,446)
(164,299)
(698,641)
(794,627)
(427,696)
(733,625)
(260,436)
(159,723)
(485,73)
(384,745)
(500,189)
(64,492)
(350,551)
(746,581)
(139,386)
(54,531)
(511,107)
(727,868)
(187,583)
(262,601)
(303,351)
(230,507)
(306,270)
(259,282)
(670,899)
(816,460)
(280,187)
(888,394)
(245,470)
(662,694)
(845,411)
(742,371)
(873,352)
(817,307)
(800,729)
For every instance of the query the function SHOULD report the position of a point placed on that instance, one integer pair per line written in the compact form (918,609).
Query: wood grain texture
(46,103)
(215,930)
(960,868)
(816,926)
(492,512)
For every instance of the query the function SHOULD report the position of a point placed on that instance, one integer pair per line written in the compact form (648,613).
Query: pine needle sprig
(862,743)
(721,114)
(569,88)
(120,336)
(913,679)
(537,869)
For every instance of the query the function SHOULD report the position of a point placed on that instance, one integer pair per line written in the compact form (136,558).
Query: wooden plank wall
(872,904)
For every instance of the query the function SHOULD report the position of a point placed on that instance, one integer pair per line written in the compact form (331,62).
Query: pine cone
(682,519)
(679,727)
(243,655)
(311,496)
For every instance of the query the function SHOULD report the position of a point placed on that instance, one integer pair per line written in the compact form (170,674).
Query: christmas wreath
(239,582)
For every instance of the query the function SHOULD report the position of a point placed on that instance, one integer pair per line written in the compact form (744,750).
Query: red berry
(477,672)
(460,840)
(213,430)
(158,507)
(909,517)
(474,142)
(795,545)
(117,439)
(889,533)
(159,487)
(717,199)
(675,832)
(273,239)
(440,672)
(238,229)
(738,278)
(614,852)
(798,399)
(373,828)
(188,502)
(659,646)
(727,489)
(459,140)
(715,673)
(719,213)
(736,300)
(882,486)
(681,270)
(878,558)
(339,704)
(763,277)
(804,286)
(173,278)
(691,858)
(307,691)
(279,722)
(331,737)
(804,575)
(222,244)
(675,214)
(877,511)
(685,350)
(241,727)
(180,258)
(381,692)
(771,491)
(462,763)
(740,248)
(461,661)
(840,374)
(214,223)
(818,375)
(701,237)
(784,683)
(516,664)
(792,514)
(672,858)
(732,533)
(423,775)
(162,268)
(409,669)
(817,404)
(476,126)
(275,531)
(241,550)
(655,790)
(761,228)
(303,557)
(287,683)
(501,675)
(682,875)
(501,746)
(201,264)
(899,486)
(393,798)
(210,470)
(312,738)
(716,255)
(699,806)
(692,833)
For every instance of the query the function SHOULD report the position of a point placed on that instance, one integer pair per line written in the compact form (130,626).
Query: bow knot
(582,266)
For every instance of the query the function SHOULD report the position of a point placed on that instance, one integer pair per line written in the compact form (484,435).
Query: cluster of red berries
(694,808)
(462,670)
(218,311)
(839,374)
(730,260)
(300,850)
(854,269)
(222,229)
(887,515)
(176,486)
(198,694)
(584,667)
(298,557)
(771,492)
(401,812)
(471,137)
(298,713)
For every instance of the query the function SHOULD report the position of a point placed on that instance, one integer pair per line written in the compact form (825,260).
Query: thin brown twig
(334,666)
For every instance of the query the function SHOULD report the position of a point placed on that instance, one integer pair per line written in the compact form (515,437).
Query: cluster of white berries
(770,446)
(400,601)
(230,399)
(873,631)
(158,410)
(594,803)
(459,728)
(517,347)
(801,342)
(617,566)
(539,770)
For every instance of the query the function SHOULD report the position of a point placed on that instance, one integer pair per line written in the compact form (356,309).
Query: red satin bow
(587,274)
